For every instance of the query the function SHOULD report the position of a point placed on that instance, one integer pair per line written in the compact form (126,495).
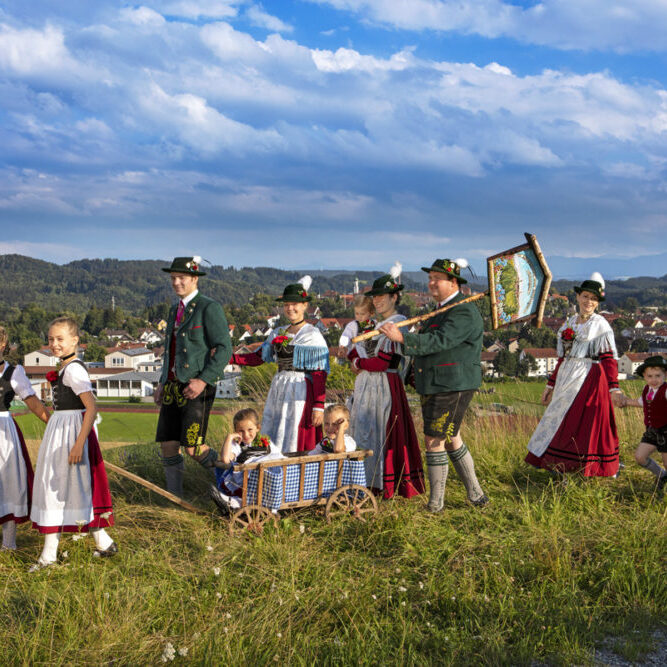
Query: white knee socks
(102,539)
(50,550)
(9,535)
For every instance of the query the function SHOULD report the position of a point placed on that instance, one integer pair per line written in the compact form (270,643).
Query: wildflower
(228,615)
(216,571)
(403,603)
(428,602)
(196,635)
(65,554)
(105,515)
(80,523)
(403,589)
(302,528)
(78,536)
(375,597)
(398,570)
(345,594)
(183,651)
(486,598)
(273,587)
(225,629)
(453,597)
(279,634)
(218,595)
(106,596)
(446,638)
(169,652)
(209,548)
(421,585)
(428,624)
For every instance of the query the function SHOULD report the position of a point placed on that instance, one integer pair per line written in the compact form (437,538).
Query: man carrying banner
(447,371)
(196,350)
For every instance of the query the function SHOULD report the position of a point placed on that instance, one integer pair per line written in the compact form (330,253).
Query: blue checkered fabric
(353,473)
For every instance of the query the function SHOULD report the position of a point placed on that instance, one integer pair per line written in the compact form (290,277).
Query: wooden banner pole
(421,318)
(153,487)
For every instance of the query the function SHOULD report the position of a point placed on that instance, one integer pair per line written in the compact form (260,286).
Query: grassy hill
(542,575)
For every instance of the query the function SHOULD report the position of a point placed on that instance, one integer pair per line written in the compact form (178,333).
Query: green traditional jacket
(203,346)
(447,350)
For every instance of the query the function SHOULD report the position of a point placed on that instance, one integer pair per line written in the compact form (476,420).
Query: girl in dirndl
(15,467)
(295,403)
(70,492)
(380,418)
(577,432)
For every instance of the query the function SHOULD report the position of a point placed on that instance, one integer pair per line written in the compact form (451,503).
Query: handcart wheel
(252,518)
(352,500)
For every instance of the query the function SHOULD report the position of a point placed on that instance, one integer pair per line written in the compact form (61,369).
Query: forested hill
(138,283)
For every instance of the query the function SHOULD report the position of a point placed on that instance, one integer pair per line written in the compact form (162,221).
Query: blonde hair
(4,340)
(364,301)
(337,407)
(69,322)
(244,415)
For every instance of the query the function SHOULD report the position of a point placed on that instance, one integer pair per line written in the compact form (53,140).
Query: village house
(128,357)
(126,384)
(149,337)
(488,357)
(44,357)
(546,359)
(118,335)
(629,362)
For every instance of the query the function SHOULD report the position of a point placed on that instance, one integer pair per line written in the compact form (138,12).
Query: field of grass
(542,574)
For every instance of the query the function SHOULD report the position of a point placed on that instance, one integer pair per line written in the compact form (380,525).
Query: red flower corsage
(304,294)
(52,376)
(261,441)
(568,334)
(280,340)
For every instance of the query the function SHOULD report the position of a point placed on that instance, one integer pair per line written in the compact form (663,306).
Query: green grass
(542,574)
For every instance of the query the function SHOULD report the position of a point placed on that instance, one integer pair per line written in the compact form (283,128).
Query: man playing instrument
(447,372)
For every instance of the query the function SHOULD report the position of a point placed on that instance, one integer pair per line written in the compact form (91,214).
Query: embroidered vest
(285,357)
(7,392)
(64,397)
(655,410)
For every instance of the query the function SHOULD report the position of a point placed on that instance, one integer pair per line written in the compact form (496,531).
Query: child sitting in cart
(336,439)
(244,445)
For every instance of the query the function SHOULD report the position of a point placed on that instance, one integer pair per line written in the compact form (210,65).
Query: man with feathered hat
(196,350)
(447,372)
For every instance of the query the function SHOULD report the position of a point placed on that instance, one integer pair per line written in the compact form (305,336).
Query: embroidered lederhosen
(7,392)
(64,397)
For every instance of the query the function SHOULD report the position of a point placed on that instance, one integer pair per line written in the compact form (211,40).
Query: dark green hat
(652,362)
(297,292)
(385,284)
(187,265)
(449,267)
(594,285)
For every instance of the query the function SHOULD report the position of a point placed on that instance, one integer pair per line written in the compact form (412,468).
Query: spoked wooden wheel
(353,500)
(252,518)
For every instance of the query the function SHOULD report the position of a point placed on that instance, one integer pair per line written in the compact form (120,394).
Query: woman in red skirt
(577,432)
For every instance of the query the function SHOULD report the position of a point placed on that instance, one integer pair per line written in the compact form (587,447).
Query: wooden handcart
(302,481)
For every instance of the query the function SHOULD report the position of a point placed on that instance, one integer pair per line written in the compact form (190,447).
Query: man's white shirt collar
(448,299)
(186,299)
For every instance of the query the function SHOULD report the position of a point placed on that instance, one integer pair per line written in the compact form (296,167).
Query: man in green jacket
(447,372)
(197,348)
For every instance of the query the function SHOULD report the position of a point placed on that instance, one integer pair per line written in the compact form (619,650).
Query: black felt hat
(388,283)
(652,362)
(594,285)
(187,265)
(297,292)
(450,267)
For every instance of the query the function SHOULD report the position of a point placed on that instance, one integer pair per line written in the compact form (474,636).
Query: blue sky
(333,133)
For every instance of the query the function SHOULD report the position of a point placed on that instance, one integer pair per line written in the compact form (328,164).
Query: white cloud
(345,60)
(28,51)
(142,16)
(53,252)
(622,25)
(195,9)
(259,18)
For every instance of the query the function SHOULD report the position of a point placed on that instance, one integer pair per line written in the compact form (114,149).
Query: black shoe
(218,498)
(481,501)
(111,550)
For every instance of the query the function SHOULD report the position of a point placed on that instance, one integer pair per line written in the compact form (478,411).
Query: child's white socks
(50,550)
(653,466)
(102,539)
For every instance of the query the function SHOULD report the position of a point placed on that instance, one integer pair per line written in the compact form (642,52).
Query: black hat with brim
(449,268)
(295,294)
(385,284)
(592,286)
(186,265)
(652,362)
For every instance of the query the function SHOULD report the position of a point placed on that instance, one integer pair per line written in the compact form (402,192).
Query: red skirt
(403,472)
(308,435)
(586,440)
(29,477)
(100,490)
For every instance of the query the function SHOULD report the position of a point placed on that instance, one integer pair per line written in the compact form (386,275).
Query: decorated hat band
(595,285)
(297,292)
(388,283)
(656,361)
(188,265)
(450,267)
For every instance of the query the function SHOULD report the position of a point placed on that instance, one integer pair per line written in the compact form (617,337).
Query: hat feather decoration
(305,282)
(462,263)
(395,271)
(597,277)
